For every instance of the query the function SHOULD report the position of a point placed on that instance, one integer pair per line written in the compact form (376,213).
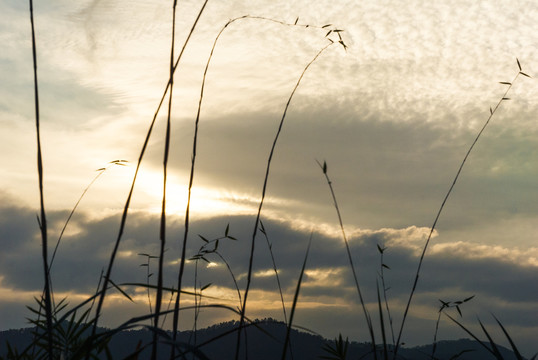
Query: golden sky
(393,116)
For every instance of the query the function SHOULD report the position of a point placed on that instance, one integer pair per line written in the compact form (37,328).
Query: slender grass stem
(387,308)
(436,332)
(350,259)
(162,235)
(233,277)
(147,265)
(275,269)
(382,323)
(193,159)
(170,302)
(175,321)
(95,295)
(202,254)
(101,171)
(197,302)
(295,299)
(51,262)
(264,189)
(447,195)
(43,218)
(130,195)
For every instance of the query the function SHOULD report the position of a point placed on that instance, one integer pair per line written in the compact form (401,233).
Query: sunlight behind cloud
(264,273)
(527,257)
(206,201)
(393,115)
(326,277)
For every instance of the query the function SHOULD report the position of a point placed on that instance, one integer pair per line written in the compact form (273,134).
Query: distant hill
(265,342)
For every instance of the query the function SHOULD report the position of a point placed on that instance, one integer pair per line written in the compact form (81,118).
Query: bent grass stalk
(66,223)
(264,189)
(101,171)
(193,163)
(491,113)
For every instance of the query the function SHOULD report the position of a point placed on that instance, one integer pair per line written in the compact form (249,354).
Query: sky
(392,115)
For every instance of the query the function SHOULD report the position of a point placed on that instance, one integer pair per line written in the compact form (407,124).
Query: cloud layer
(393,116)
(502,279)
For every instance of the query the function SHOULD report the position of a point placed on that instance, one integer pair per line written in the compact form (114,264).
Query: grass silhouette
(53,341)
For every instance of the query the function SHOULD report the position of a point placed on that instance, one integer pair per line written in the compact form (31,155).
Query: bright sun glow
(204,201)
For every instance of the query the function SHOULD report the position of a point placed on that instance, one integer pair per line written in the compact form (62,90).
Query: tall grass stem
(129,196)
(264,189)
(43,218)
(350,259)
(162,234)
(175,321)
(295,299)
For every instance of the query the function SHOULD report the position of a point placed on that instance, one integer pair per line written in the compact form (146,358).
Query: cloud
(393,174)
(393,117)
(502,283)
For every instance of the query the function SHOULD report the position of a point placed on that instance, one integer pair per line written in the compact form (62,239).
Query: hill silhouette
(264,339)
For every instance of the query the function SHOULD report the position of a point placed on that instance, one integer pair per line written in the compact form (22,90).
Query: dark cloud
(505,288)
(392,173)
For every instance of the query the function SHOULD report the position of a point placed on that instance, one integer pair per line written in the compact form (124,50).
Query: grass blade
(295,298)
(514,348)
(492,350)
(121,290)
(494,347)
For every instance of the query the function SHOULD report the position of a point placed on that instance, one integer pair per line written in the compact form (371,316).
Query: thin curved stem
(264,189)
(415,282)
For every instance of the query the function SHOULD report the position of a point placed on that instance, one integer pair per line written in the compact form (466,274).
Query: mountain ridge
(264,339)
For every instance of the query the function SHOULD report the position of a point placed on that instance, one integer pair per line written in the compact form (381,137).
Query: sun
(205,201)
